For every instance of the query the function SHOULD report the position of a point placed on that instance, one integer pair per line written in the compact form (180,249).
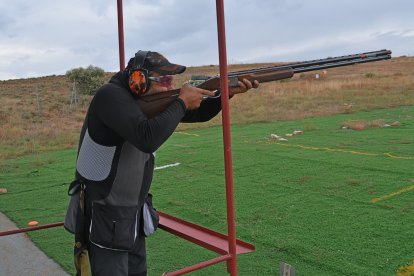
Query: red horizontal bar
(197,234)
(189,269)
(202,236)
(28,229)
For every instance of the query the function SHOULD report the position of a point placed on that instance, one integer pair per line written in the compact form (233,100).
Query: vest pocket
(150,217)
(114,227)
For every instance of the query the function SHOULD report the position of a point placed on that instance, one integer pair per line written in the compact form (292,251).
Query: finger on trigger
(208,93)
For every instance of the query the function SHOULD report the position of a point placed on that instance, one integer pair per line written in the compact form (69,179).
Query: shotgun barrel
(153,104)
(346,60)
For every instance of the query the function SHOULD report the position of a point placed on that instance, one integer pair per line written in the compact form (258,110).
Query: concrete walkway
(19,256)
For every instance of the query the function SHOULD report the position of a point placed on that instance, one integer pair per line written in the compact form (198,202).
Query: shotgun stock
(153,104)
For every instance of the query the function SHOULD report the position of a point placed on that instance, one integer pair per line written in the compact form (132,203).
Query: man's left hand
(244,86)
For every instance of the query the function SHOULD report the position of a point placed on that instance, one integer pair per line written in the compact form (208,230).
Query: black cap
(155,62)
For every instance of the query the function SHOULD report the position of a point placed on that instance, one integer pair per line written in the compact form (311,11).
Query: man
(115,161)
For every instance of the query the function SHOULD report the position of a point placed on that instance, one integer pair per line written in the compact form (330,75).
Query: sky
(49,37)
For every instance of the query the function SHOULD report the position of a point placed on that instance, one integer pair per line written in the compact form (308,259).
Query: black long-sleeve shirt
(115,115)
(117,141)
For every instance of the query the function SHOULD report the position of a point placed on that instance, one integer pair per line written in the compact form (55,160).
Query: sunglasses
(165,81)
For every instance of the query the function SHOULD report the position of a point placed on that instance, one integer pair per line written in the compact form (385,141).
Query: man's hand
(244,85)
(192,96)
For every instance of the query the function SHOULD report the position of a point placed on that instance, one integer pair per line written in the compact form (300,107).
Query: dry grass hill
(31,122)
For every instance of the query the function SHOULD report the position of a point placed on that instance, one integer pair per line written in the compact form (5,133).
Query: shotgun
(153,104)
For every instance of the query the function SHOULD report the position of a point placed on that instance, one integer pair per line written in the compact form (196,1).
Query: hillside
(35,113)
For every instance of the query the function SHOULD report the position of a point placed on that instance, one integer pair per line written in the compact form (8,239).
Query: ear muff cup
(138,82)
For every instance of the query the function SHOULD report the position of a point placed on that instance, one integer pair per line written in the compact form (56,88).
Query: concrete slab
(19,256)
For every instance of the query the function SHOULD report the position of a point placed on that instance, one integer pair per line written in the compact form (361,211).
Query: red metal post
(121,36)
(228,164)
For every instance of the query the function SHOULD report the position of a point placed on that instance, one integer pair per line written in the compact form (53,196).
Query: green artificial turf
(330,201)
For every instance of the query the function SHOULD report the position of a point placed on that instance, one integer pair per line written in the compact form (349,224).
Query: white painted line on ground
(186,133)
(166,166)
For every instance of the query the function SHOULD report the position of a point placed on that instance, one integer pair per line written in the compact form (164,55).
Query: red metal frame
(198,234)
(227,246)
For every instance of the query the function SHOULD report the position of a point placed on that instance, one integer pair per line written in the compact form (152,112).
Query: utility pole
(37,93)
(74,96)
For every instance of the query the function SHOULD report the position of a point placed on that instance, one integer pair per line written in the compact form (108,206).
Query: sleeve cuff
(182,104)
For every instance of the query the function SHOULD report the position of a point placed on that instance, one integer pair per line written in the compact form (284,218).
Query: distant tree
(88,80)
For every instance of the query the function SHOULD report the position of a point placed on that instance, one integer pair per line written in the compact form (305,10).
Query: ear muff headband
(138,76)
(139,60)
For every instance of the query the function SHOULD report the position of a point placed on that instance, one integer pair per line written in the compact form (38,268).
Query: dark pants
(118,263)
(106,262)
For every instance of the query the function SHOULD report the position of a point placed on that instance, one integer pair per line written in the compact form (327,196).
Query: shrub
(369,75)
(88,80)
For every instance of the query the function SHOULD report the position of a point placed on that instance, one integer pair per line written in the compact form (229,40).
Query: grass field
(330,201)
(31,123)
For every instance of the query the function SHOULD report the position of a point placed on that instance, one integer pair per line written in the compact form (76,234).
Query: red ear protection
(138,82)
(138,76)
